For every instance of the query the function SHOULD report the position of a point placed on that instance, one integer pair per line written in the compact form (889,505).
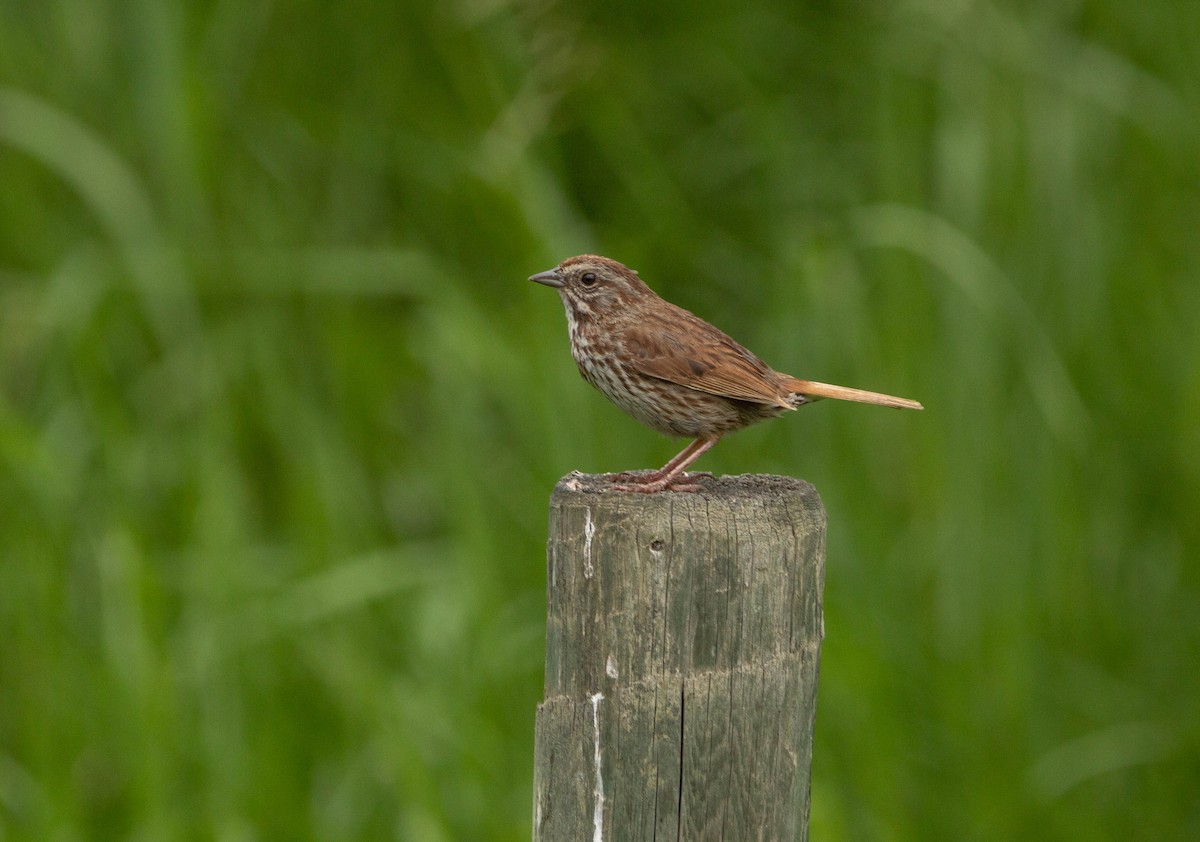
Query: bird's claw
(649,484)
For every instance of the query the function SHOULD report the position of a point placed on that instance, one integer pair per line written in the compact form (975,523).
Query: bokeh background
(279,412)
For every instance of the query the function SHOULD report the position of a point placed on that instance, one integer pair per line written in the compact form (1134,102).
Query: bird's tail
(811,389)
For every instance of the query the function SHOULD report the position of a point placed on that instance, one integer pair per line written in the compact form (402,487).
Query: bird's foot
(652,484)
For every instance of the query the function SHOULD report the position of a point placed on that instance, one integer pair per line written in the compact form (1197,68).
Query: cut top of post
(645,585)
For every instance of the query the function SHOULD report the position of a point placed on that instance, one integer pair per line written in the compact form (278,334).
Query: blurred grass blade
(1013,324)
(109,186)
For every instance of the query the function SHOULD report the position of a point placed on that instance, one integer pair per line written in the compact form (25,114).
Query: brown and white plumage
(670,369)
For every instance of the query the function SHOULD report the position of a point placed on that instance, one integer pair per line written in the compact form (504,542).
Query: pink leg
(665,476)
(684,456)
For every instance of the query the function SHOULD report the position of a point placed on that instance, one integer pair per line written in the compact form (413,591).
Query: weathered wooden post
(682,643)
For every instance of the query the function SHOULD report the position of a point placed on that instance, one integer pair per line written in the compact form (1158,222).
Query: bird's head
(594,287)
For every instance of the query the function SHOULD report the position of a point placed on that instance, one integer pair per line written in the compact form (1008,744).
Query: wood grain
(682,644)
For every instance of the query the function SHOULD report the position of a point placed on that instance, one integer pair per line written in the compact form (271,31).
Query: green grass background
(279,412)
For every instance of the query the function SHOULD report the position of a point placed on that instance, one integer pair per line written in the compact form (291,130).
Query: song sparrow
(672,370)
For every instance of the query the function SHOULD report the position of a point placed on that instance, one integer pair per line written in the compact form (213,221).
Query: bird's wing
(703,358)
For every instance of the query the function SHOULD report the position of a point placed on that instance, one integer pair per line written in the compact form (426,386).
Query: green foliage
(279,413)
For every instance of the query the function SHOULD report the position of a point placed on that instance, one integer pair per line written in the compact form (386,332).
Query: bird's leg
(654,476)
(666,476)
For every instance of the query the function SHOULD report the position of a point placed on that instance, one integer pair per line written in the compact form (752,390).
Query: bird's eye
(588,278)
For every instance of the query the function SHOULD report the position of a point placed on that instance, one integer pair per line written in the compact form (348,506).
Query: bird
(672,370)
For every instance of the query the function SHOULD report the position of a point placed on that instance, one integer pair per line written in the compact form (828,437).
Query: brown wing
(689,351)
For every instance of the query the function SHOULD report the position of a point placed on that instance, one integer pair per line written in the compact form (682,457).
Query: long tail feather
(812,389)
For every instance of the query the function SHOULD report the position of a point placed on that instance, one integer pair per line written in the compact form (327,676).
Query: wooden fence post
(682,642)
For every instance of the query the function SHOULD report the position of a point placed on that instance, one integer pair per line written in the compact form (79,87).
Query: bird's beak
(550,278)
